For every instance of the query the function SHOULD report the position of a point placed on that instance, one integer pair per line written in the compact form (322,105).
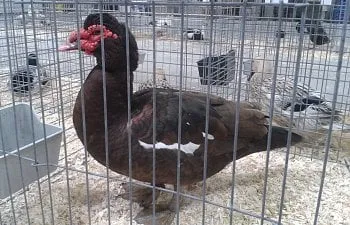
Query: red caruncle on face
(90,38)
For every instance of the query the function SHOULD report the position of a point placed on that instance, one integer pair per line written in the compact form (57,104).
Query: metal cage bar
(249,29)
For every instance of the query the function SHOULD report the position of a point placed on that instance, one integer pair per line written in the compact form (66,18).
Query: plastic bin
(221,70)
(27,147)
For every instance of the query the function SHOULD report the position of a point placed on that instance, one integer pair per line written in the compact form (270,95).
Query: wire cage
(304,184)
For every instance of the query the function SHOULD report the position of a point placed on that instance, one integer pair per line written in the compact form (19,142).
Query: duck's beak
(250,76)
(68,47)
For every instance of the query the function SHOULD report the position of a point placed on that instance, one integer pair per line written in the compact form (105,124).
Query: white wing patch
(210,137)
(188,148)
(268,96)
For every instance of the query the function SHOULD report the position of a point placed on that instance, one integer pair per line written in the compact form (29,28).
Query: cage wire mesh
(188,44)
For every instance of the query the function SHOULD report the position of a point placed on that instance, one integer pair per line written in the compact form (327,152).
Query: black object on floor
(220,69)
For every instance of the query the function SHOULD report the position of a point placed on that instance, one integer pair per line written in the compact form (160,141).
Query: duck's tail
(339,127)
(279,139)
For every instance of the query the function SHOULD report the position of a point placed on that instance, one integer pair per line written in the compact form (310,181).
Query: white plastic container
(27,147)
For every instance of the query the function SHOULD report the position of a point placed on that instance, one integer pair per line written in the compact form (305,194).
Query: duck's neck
(116,99)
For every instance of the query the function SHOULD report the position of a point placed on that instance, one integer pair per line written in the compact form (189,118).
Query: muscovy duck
(252,136)
(312,112)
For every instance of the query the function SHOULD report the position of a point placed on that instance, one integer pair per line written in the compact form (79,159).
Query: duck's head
(261,67)
(113,34)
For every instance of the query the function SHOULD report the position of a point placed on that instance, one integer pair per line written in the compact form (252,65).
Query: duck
(27,77)
(312,112)
(253,124)
(194,34)
(317,33)
(161,81)
(161,26)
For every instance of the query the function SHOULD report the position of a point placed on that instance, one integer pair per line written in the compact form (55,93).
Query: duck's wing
(310,101)
(262,92)
(252,122)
